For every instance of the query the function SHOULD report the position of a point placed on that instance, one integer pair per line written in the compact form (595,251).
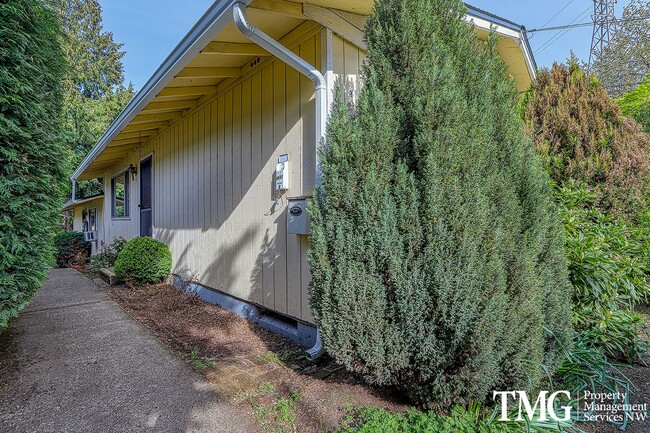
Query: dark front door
(146,221)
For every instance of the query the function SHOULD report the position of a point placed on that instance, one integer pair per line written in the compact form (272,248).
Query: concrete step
(108,275)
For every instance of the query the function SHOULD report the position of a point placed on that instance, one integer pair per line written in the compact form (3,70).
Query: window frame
(127,196)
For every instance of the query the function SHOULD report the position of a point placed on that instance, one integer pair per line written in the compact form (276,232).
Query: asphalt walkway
(74,361)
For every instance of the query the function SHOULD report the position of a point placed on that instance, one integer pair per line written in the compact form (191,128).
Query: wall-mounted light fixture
(133,171)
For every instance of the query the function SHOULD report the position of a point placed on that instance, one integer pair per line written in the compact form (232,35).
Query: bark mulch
(265,374)
(269,377)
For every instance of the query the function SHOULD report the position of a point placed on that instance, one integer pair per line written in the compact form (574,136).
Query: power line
(557,13)
(557,37)
(585,24)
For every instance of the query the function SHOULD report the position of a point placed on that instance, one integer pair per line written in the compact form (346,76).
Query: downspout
(74,189)
(320,84)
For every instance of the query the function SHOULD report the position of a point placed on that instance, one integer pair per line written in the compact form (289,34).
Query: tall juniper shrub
(436,251)
(31,150)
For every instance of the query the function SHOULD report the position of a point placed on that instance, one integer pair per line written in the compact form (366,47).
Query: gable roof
(214,54)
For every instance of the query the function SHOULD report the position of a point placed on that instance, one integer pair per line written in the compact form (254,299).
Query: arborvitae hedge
(436,252)
(31,172)
(582,135)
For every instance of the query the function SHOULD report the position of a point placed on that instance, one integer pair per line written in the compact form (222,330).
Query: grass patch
(197,361)
(273,412)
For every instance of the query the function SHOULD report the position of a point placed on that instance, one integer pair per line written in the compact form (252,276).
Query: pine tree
(31,168)
(94,87)
(436,251)
(582,136)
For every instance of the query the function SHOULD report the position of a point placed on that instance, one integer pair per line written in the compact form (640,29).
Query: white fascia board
(205,30)
(484,24)
(517,35)
(72,203)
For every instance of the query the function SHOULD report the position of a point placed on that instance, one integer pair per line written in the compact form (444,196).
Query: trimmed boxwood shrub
(143,261)
(71,248)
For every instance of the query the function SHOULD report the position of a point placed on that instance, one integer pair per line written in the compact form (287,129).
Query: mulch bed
(246,356)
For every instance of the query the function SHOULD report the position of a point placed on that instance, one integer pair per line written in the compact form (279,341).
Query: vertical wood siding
(213,186)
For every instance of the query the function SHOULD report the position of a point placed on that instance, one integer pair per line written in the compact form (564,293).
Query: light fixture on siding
(133,171)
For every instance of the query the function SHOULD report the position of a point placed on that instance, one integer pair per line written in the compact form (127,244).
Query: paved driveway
(74,361)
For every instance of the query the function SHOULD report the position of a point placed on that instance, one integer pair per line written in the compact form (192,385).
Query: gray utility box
(297,216)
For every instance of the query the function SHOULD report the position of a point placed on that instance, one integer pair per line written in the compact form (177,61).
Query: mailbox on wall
(297,216)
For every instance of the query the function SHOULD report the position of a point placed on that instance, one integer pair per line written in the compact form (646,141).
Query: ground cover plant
(32,170)
(436,252)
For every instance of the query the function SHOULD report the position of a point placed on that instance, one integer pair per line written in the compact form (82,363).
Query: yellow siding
(213,186)
(347,62)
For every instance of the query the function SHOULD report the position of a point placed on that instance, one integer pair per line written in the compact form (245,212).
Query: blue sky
(150,29)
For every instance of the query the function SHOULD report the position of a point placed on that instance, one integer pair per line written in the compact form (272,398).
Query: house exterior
(87,217)
(216,155)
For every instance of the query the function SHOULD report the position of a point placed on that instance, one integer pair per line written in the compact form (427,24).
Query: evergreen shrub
(143,261)
(32,156)
(437,253)
(71,248)
(582,136)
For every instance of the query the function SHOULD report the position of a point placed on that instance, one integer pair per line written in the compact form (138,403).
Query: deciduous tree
(626,60)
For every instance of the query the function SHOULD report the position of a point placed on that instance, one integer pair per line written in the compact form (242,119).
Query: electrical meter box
(297,216)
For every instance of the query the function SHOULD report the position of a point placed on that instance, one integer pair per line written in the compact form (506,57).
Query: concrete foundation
(303,334)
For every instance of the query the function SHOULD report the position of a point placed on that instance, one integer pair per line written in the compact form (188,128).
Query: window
(89,224)
(92,220)
(120,195)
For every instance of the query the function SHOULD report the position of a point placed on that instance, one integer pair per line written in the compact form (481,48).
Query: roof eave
(72,203)
(205,30)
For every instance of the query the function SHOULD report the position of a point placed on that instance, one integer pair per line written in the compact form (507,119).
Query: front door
(146,220)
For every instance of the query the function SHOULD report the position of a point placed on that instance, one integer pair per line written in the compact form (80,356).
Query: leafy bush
(32,158)
(637,103)
(582,136)
(437,254)
(608,266)
(107,255)
(71,248)
(143,260)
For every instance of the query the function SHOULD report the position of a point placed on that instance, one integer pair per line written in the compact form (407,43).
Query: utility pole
(604,27)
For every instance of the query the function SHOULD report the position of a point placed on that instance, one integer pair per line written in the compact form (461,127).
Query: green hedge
(32,155)
(143,261)
(71,248)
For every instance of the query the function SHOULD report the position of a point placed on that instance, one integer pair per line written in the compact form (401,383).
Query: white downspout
(320,84)
(74,190)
